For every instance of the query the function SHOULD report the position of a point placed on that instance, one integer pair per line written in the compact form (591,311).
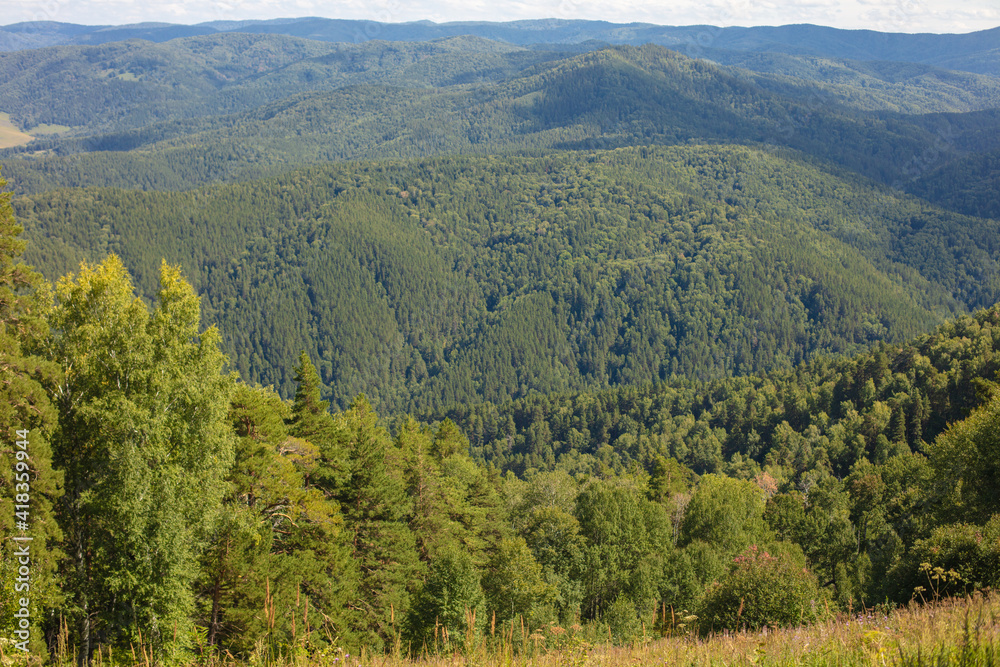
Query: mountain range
(417,206)
(973,52)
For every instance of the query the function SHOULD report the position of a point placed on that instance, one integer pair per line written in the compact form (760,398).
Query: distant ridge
(972,52)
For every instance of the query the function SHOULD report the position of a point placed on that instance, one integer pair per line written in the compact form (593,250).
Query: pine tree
(312,421)
(376,511)
(278,543)
(26,416)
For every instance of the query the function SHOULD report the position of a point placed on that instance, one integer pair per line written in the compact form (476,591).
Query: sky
(939,16)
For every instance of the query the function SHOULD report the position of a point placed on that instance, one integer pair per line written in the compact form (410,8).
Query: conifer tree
(376,511)
(279,542)
(312,421)
(27,417)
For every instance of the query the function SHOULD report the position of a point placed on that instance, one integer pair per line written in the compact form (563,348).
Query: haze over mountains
(973,52)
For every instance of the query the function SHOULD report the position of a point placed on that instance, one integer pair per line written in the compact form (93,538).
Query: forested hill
(827,414)
(237,107)
(125,85)
(584,253)
(429,282)
(673,327)
(164,492)
(973,52)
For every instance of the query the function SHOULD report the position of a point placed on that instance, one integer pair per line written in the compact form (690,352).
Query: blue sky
(886,15)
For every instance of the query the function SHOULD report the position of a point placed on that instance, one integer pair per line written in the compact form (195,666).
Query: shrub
(762,589)
(955,560)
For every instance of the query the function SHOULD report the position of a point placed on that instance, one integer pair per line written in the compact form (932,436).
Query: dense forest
(313,346)
(172,503)
(237,107)
(408,280)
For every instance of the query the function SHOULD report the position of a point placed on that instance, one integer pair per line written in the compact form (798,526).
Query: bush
(623,621)
(955,560)
(760,590)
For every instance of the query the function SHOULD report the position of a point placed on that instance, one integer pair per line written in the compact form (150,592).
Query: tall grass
(961,632)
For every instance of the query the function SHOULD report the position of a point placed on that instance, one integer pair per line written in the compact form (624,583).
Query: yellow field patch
(10,135)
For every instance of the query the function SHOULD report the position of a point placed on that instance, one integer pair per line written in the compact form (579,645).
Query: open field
(46,128)
(10,135)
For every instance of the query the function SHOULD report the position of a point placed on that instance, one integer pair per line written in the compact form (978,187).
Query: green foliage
(726,513)
(956,559)
(543,513)
(628,542)
(670,477)
(820,522)
(762,590)
(376,509)
(966,460)
(310,420)
(605,268)
(143,441)
(623,621)
(688,291)
(449,607)
(26,416)
(515,587)
(159,115)
(278,543)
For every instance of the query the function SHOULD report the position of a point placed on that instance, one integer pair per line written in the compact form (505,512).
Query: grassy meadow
(950,632)
(954,631)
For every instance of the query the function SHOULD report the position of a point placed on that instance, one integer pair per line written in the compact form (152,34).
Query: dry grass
(10,135)
(950,632)
(47,128)
(962,632)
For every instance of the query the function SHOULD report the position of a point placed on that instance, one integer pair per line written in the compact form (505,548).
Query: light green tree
(514,585)
(966,460)
(726,513)
(628,539)
(451,606)
(144,444)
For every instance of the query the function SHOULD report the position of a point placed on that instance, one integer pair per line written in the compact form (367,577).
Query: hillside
(471,96)
(409,279)
(794,249)
(879,85)
(974,52)
(125,85)
(477,340)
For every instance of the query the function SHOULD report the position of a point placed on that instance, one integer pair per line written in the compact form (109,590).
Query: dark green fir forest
(315,343)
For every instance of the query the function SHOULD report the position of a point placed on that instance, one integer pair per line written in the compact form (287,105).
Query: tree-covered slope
(826,413)
(972,52)
(174,491)
(435,281)
(970,185)
(904,87)
(612,97)
(125,85)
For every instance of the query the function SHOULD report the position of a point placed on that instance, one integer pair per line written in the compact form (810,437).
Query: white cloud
(887,15)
